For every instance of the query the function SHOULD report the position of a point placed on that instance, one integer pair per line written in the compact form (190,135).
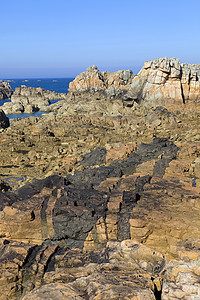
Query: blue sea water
(59,85)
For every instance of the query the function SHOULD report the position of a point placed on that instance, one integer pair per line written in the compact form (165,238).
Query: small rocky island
(105,198)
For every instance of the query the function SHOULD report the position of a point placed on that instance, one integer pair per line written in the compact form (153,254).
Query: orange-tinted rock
(91,79)
(182,274)
(164,80)
(94,81)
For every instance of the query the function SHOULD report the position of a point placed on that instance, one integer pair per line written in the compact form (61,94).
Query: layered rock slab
(90,208)
(122,270)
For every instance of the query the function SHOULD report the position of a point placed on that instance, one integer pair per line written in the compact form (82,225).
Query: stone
(29,99)
(111,84)
(164,80)
(121,270)
(4,121)
(103,193)
(5,90)
(182,276)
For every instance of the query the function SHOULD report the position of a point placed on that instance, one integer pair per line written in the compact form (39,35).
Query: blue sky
(48,38)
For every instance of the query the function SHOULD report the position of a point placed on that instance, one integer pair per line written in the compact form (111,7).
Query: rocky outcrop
(4,121)
(162,81)
(123,270)
(166,79)
(123,230)
(111,84)
(5,90)
(28,100)
(110,208)
(120,225)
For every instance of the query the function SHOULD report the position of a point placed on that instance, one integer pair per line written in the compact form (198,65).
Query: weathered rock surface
(182,274)
(133,200)
(123,270)
(166,79)
(111,84)
(5,90)
(4,121)
(158,82)
(110,208)
(29,99)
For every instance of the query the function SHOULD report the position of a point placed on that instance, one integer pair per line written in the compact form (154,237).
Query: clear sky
(61,38)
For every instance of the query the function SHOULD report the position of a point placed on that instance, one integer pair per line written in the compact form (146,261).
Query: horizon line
(29,78)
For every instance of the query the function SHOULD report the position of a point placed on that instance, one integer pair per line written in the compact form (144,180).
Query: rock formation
(158,82)
(112,84)
(5,90)
(29,99)
(101,200)
(4,121)
(166,79)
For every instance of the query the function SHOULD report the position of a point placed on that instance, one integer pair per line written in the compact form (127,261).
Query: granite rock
(166,79)
(122,270)
(29,99)
(182,274)
(4,121)
(110,84)
(159,82)
(108,203)
(5,90)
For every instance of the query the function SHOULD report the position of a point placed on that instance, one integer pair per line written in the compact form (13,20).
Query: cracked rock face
(112,84)
(158,82)
(166,79)
(52,272)
(105,232)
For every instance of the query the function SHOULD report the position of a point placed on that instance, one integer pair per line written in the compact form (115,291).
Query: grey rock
(31,99)
(5,90)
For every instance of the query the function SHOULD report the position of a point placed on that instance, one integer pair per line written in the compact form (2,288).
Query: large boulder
(5,90)
(91,79)
(4,121)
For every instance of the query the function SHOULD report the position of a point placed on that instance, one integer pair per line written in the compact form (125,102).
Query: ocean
(59,85)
